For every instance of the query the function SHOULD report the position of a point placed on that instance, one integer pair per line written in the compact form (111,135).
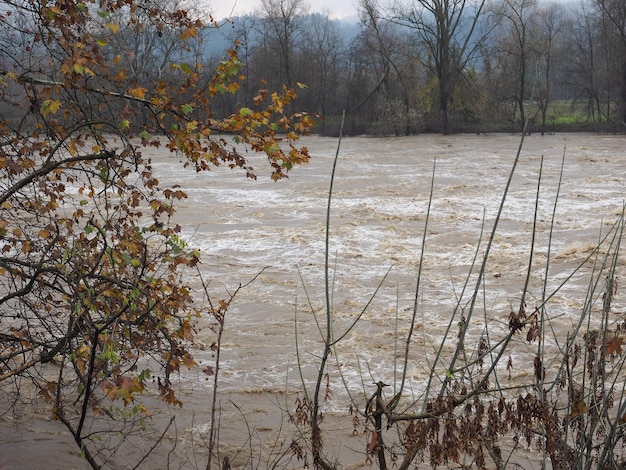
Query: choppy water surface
(378,216)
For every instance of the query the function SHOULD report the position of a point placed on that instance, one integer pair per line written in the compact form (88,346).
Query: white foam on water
(378,214)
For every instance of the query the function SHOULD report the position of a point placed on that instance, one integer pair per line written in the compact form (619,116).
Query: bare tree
(446,30)
(283,28)
(516,45)
(551,19)
(393,64)
(323,52)
(614,24)
(582,69)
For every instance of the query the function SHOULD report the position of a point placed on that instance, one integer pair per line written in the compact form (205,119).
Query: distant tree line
(407,66)
(445,66)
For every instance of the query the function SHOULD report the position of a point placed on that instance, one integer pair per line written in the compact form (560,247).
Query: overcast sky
(334,8)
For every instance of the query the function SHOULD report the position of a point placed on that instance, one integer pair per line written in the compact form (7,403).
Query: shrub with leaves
(94,306)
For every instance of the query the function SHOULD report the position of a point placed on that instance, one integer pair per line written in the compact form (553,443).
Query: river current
(379,210)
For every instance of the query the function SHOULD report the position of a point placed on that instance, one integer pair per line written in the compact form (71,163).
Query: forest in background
(441,66)
(403,68)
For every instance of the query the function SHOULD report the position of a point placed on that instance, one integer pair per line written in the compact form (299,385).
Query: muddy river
(378,214)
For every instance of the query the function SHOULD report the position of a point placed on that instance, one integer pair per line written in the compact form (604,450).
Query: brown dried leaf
(614,346)
(371,447)
(579,408)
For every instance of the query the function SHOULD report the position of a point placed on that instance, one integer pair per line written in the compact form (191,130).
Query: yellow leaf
(114,28)
(138,92)
(117,59)
(50,106)
(73,148)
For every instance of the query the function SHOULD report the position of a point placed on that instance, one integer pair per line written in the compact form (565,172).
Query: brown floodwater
(378,214)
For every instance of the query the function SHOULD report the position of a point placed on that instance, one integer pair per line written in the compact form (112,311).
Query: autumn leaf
(189,33)
(113,27)
(138,92)
(48,392)
(174,364)
(188,361)
(578,408)
(78,68)
(50,107)
(614,346)
(371,447)
(109,389)
(168,394)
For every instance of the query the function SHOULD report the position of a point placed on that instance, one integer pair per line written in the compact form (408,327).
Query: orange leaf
(371,447)
(189,33)
(614,346)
